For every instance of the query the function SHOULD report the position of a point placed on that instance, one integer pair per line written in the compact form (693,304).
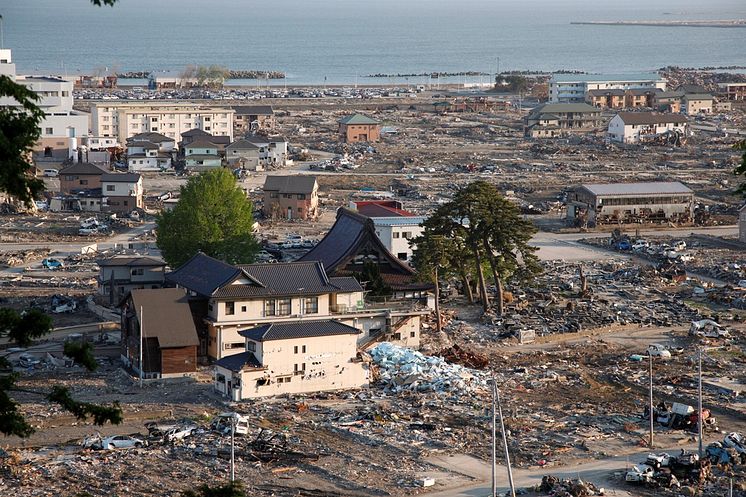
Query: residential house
(291,197)
(394,226)
(98,143)
(243,153)
(572,88)
(292,358)
(668,101)
(635,127)
(638,203)
(159,338)
(121,274)
(80,176)
(146,156)
(697,103)
(352,244)
(123,192)
(123,119)
(273,150)
(237,298)
(359,128)
(81,201)
(202,155)
(552,120)
(610,99)
(192,135)
(252,118)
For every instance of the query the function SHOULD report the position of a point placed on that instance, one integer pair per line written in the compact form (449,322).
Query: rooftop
(381,208)
(301,329)
(290,184)
(254,110)
(603,78)
(577,108)
(165,314)
(125,260)
(83,168)
(236,362)
(357,119)
(648,188)
(651,118)
(120,178)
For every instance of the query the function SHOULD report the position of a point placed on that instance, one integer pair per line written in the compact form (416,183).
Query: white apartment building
(124,119)
(633,127)
(569,88)
(62,127)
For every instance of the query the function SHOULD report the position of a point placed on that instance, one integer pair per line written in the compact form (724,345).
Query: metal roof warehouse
(637,189)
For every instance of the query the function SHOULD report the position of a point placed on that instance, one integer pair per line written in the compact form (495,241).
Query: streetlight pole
(233,447)
(494,438)
(652,413)
(699,403)
(505,439)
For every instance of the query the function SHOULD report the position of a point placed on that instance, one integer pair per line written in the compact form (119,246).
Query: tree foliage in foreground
(19,131)
(478,230)
(213,216)
(23,329)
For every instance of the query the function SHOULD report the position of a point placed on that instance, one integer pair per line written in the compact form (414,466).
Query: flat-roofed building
(565,88)
(732,91)
(125,119)
(638,203)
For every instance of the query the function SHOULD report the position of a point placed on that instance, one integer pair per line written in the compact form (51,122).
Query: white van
(51,173)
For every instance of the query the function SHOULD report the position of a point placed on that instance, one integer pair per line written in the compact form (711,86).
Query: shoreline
(734,23)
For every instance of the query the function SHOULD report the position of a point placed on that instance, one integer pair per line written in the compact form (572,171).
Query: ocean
(343,41)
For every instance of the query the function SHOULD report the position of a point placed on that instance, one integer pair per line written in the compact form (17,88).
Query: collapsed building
(620,203)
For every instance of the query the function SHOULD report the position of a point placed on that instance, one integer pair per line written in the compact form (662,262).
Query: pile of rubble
(575,487)
(399,369)
(21,257)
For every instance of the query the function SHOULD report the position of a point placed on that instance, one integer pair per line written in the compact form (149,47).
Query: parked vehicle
(623,245)
(658,350)
(68,306)
(640,245)
(121,442)
(51,173)
(52,264)
(658,461)
(735,441)
(28,361)
(180,432)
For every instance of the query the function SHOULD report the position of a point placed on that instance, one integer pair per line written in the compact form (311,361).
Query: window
(274,195)
(284,307)
(311,306)
(138,271)
(402,256)
(48,131)
(295,350)
(84,182)
(243,308)
(229,308)
(395,234)
(407,235)
(110,188)
(301,196)
(299,368)
(234,345)
(251,346)
(412,334)
(269,307)
(304,351)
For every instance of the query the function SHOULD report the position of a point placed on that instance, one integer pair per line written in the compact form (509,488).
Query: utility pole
(652,413)
(233,447)
(494,437)
(2,40)
(142,344)
(699,403)
(505,439)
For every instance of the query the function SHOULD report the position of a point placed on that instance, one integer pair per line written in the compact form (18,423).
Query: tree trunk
(465,281)
(482,284)
(495,276)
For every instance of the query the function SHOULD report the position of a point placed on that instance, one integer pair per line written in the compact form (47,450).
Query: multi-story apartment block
(126,119)
(239,298)
(62,127)
(570,88)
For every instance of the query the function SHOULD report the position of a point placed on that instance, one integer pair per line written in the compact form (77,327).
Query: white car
(121,442)
(639,475)
(658,350)
(180,432)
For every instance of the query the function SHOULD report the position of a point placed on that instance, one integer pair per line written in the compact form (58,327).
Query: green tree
(213,216)
(514,83)
(23,328)
(375,286)
(19,131)
(232,489)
